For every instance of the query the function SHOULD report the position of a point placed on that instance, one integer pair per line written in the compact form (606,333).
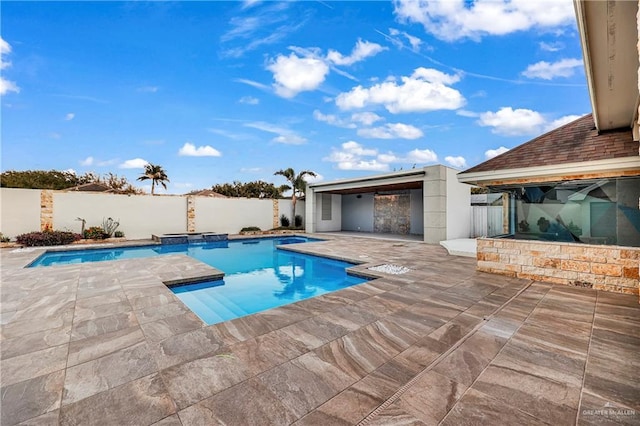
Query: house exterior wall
(140,216)
(357,213)
(417,207)
(333,225)
(458,208)
(434,190)
(609,268)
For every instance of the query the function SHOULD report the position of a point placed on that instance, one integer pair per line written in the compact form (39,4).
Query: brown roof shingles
(574,142)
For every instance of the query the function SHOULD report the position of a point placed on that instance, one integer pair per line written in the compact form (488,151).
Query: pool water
(258,276)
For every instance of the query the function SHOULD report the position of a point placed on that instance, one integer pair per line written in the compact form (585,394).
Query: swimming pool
(258,275)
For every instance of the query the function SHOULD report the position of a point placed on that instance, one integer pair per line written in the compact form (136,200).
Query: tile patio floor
(108,343)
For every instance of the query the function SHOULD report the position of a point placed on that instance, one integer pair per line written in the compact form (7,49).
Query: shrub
(284,221)
(298,221)
(47,238)
(118,234)
(4,239)
(95,233)
(250,229)
(109,225)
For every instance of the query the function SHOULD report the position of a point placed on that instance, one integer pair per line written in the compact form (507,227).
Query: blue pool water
(258,276)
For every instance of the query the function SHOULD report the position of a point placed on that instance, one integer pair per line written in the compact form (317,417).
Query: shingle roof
(575,142)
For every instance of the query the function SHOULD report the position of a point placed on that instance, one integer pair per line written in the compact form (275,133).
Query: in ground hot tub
(189,237)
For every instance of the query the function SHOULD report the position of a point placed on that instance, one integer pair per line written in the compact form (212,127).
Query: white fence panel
(20,211)
(140,216)
(486,221)
(230,215)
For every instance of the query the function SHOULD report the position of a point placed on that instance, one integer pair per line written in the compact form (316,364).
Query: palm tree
(156,174)
(297,185)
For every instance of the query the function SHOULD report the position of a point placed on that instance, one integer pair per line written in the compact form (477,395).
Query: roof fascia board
(367,182)
(608,165)
(581,19)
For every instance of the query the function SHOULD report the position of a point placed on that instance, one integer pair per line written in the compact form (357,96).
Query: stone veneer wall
(46,209)
(609,268)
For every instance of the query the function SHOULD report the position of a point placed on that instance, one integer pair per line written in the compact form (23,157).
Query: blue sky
(222,91)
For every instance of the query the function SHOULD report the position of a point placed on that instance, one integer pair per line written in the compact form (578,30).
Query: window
(326,206)
(599,211)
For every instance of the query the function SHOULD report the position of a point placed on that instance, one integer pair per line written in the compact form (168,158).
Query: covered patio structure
(428,203)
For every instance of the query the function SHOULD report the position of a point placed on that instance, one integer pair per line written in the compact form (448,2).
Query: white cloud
(355,148)
(190,150)
(422,156)
(252,83)
(289,139)
(354,156)
(293,74)
(371,165)
(490,153)
(249,100)
(366,118)
(361,51)
(551,47)
(147,89)
(311,179)
(561,122)
(510,122)
(55,135)
(392,131)
(135,163)
(251,169)
(70,116)
(466,113)
(458,162)
(285,136)
(549,71)
(5,49)
(424,90)
(6,86)
(333,120)
(457,19)
(87,161)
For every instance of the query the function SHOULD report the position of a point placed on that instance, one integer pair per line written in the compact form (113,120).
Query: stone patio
(109,343)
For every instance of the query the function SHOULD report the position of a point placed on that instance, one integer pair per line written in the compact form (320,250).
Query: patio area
(109,343)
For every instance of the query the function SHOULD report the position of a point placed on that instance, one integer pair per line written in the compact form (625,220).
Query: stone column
(276,213)
(46,209)
(191,213)
(434,190)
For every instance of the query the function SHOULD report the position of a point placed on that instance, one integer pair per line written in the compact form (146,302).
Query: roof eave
(624,166)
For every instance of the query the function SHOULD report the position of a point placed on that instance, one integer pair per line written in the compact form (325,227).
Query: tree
(156,175)
(297,185)
(257,189)
(58,180)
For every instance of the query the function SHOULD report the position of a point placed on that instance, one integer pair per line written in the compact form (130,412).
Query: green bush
(118,234)
(47,238)
(284,221)
(250,229)
(95,233)
(4,239)
(298,221)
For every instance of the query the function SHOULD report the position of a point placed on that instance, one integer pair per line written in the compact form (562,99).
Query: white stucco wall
(417,209)
(284,207)
(357,213)
(19,211)
(335,224)
(230,215)
(458,207)
(140,216)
